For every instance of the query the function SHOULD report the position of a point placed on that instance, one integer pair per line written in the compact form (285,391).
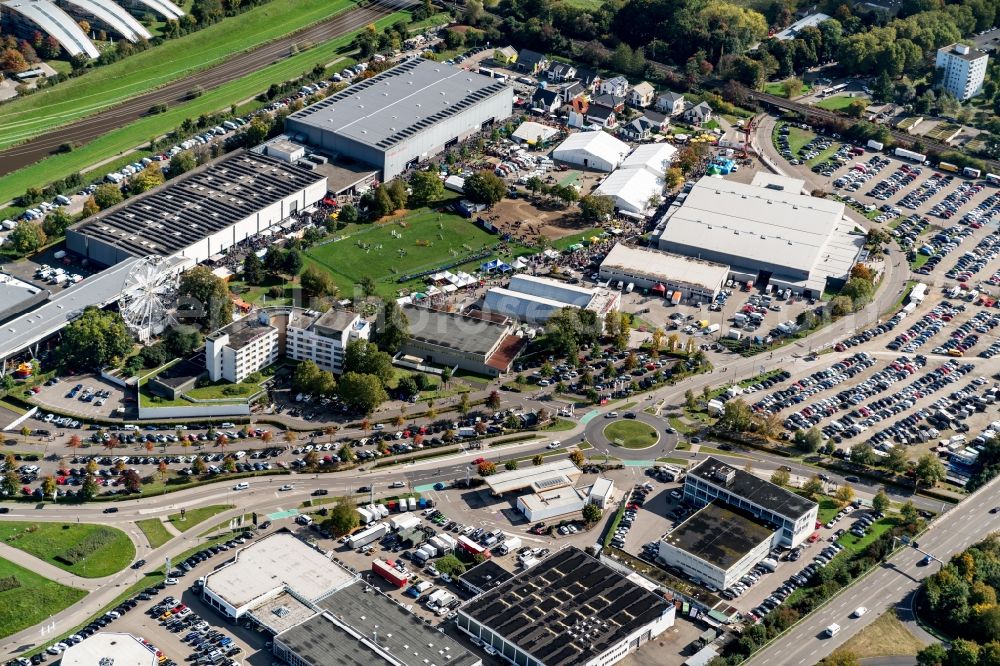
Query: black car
(138,563)
(111,509)
(4,509)
(320,491)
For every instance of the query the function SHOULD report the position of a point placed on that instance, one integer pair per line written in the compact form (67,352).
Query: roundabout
(631,434)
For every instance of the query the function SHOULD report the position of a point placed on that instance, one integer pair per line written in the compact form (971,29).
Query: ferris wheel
(148,297)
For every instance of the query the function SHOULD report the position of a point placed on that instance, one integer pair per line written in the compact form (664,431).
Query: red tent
(659,288)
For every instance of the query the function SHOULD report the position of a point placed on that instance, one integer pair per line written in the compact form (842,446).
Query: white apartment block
(240,349)
(963,70)
(322,338)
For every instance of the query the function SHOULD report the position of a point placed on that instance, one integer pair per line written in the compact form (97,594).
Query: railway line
(87,129)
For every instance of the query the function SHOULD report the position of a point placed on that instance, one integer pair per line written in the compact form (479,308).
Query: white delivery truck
(833,630)
(510,545)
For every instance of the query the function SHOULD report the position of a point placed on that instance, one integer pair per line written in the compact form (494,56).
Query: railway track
(87,129)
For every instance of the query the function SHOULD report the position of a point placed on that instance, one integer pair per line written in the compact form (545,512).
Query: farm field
(426,240)
(104,87)
(134,134)
(27,598)
(90,551)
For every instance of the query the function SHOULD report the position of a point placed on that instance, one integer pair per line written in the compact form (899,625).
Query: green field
(108,86)
(155,532)
(90,551)
(837,102)
(27,598)
(375,252)
(631,434)
(193,517)
(217,99)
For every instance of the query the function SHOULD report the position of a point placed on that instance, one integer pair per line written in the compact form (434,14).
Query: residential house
(560,71)
(670,103)
(571,91)
(505,56)
(643,127)
(588,78)
(548,100)
(641,95)
(698,114)
(616,86)
(531,62)
(659,121)
(611,101)
(602,116)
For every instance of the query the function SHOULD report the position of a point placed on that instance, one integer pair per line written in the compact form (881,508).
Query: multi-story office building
(322,338)
(240,349)
(962,70)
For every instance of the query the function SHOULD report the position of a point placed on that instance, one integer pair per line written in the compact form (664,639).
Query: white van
(833,630)
(242,485)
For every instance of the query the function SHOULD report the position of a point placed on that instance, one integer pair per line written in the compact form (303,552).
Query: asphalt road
(892,584)
(87,129)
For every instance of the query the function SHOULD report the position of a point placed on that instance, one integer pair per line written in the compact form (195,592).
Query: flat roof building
(240,349)
(359,626)
(962,70)
(278,564)
(717,544)
(534,134)
(793,515)
(404,115)
(109,649)
(534,299)
(544,475)
(549,502)
(484,576)
(200,213)
(323,338)
(810,21)
(485,345)
(567,610)
(774,236)
(666,273)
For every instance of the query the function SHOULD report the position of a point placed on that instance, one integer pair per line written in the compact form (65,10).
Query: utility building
(404,115)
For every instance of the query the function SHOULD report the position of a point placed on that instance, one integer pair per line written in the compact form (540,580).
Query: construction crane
(747,130)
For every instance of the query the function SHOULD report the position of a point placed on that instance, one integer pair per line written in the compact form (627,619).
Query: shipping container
(910,155)
(947,166)
(971,173)
(389,573)
(675,299)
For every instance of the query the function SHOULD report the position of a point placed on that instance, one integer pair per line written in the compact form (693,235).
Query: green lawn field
(90,551)
(27,598)
(837,102)
(217,99)
(155,532)
(631,434)
(193,517)
(107,86)
(428,240)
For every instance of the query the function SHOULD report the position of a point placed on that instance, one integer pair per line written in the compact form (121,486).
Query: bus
(947,166)
(971,173)
(993,179)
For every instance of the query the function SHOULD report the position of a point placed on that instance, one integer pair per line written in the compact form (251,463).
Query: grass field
(107,86)
(778,88)
(836,103)
(428,239)
(155,532)
(90,551)
(140,131)
(195,516)
(631,434)
(885,637)
(28,598)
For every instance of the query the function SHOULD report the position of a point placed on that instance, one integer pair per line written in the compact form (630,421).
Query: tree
(146,179)
(592,513)
(12,60)
(929,470)
(863,454)
(537,459)
(393,328)
(343,518)
(736,416)
(90,488)
(364,357)
(897,460)
(881,501)
(204,297)
(132,481)
(844,495)
(90,207)
(49,486)
(27,237)
(791,87)
(510,465)
(317,283)
(673,178)
(463,404)
(199,466)
(95,339)
(934,654)
(813,486)
(841,658)
(486,468)
(493,400)
(485,187)
(253,270)
(425,187)
(293,263)
(310,379)
(348,214)
(362,392)
(808,441)
(55,223)
(597,207)
(107,195)
(450,565)
(577,458)
(182,162)
(780,477)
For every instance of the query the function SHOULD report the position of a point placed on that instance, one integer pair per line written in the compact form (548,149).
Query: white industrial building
(322,338)
(547,503)
(26,16)
(764,234)
(109,649)
(570,609)
(636,191)
(963,70)
(547,475)
(792,515)
(665,273)
(717,545)
(602,493)
(106,15)
(811,21)
(535,299)
(404,115)
(592,150)
(533,134)
(242,348)
(200,213)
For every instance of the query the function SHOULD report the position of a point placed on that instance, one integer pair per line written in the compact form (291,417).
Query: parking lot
(96,398)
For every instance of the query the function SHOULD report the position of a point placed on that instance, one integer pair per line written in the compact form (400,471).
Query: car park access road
(92,127)
(894,583)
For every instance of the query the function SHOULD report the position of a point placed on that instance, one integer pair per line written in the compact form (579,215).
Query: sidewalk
(50,571)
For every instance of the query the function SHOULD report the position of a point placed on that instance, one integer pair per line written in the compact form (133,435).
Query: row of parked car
(795,581)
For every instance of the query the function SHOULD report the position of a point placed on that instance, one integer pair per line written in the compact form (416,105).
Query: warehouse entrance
(763,278)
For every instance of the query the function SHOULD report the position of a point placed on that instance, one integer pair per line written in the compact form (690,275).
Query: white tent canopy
(593,150)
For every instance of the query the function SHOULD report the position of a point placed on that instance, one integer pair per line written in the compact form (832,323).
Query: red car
(478,461)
